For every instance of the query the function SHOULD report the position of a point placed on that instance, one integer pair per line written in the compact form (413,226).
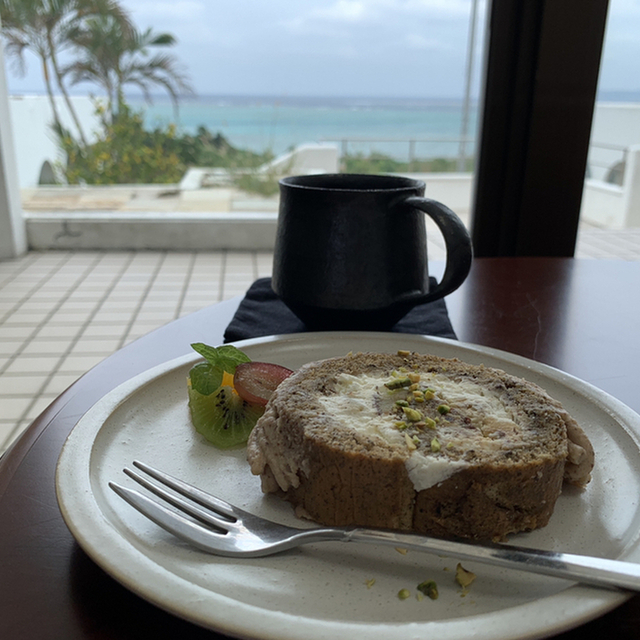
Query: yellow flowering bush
(124,153)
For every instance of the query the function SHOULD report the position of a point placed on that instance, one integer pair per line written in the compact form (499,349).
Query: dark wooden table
(579,316)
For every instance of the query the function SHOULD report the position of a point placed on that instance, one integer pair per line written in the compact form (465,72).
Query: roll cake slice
(418,443)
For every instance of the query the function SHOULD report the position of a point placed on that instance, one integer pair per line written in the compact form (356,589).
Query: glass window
(276,88)
(610,213)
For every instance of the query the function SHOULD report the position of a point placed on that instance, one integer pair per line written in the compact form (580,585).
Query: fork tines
(185,498)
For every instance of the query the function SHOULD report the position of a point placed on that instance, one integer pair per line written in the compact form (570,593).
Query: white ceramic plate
(320,591)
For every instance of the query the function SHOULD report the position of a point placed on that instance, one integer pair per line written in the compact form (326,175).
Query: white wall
(306,159)
(612,206)
(13,237)
(452,189)
(34,141)
(614,124)
(603,204)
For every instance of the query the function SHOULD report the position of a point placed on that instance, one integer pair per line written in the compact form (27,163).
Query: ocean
(396,127)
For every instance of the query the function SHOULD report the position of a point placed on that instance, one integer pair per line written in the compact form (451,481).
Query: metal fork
(217,527)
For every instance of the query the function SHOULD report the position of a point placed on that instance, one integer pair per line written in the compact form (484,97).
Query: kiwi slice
(223,417)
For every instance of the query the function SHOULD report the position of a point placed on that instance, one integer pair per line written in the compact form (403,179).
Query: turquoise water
(272,124)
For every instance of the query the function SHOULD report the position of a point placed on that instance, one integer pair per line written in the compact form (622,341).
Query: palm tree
(45,27)
(113,57)
(24,29)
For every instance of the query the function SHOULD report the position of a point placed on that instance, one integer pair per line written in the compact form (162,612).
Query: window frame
(542,62)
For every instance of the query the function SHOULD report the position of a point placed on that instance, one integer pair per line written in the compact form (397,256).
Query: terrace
(106,266)
(63,311)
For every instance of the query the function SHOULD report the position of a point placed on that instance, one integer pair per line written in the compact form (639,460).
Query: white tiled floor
(63,312)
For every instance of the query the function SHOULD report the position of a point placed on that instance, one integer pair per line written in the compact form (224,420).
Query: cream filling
(363,403)
(427,471)
(473,397)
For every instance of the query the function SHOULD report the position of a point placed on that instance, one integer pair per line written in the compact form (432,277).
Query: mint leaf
(227,357)
(208,353)
(230,357)
(205,378)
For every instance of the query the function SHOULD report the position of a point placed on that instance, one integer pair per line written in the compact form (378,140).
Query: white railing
(611,196)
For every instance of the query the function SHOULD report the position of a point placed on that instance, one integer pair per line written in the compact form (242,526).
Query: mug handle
(457,242)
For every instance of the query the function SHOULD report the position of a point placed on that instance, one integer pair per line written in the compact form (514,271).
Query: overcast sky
(401,48)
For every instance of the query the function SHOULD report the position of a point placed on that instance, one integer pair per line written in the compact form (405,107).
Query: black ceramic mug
(351,250)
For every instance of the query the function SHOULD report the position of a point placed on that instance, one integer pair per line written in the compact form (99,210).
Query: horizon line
(602,96)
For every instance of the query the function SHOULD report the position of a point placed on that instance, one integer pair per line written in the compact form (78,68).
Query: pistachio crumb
(404,352)
(430,423)
(402,550)
(398,383)
(410,443)
(429,393)
(413,376)
(435,445)
(370,582)
(443,409)
(413,415)
(429,588)
(463,577)
(401,425)
(403,594)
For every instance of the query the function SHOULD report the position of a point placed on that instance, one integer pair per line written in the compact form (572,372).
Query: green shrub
(205,149)
(379,163)
(124,153)
(127,153)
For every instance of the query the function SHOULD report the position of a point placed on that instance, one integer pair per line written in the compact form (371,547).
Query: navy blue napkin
(262,313)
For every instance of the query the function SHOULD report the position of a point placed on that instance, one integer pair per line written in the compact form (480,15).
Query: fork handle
(584,569)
